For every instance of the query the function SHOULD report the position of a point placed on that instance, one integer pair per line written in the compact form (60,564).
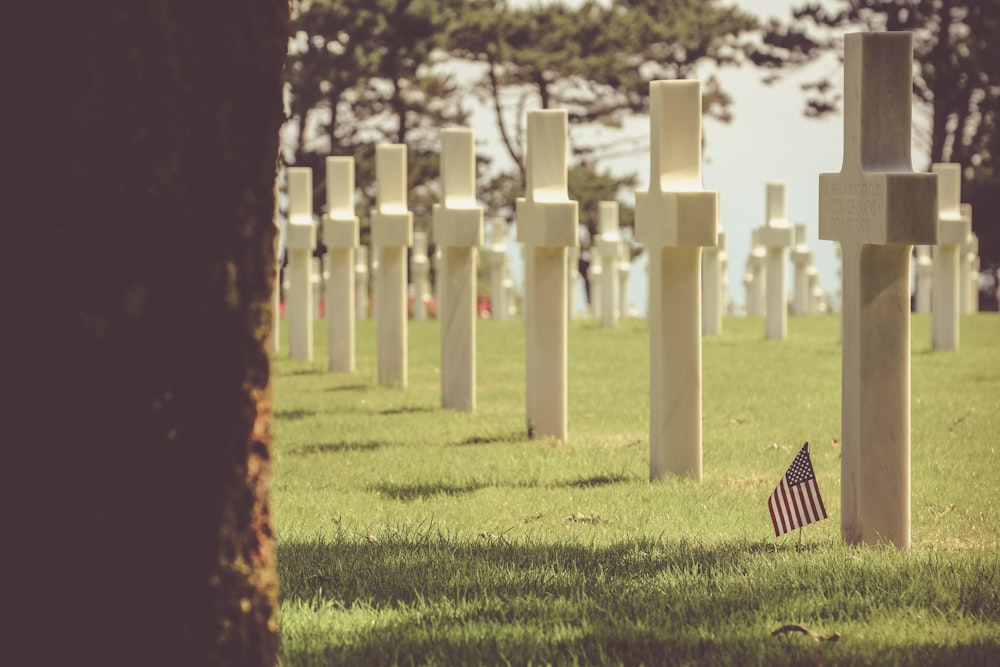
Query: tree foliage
(956,82)
(361,72)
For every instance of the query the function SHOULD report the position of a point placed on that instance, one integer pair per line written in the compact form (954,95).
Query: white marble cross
(361,283)
(924,273)
(497,253)
(279,249)
(419,268)
(458,231)
(966,256)
(801,257)
(776,236)
(624,269)
(951,232)
(572,280)
(547,226)
(595,273)
(392,234)
(711,286)
(757,267)
(876,207)
(674,218)
(300,237)
(607,247)
(971,262)
(340,235)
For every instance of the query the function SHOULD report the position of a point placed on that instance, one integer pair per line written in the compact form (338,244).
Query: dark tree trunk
(137,269)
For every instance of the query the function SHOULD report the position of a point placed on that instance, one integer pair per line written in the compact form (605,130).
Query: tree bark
(138,264)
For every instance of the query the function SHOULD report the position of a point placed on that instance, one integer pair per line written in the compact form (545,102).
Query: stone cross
(748,291)
(340,235)
(497,253)
(361,283)
(546,225)
(776,236)
(711,286)
(624,269)
(674,218)
(572,280)
(458,231)
(757,263)
(438,261)
(876,207)
(966,255)
(801,257)
(392,234)
(316,278)
(924,276)
(279,249)
(814,290)
(419,266)
(725,305)
(607,247)
(951,233)
(300,236)
(510,307)
(595,274)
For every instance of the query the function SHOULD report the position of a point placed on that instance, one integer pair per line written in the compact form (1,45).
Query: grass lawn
(413,535)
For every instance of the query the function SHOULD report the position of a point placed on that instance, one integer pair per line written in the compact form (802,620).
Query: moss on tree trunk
(137,266)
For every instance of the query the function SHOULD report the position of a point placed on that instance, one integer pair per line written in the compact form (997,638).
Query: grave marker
(674,218)
(757,263)
(572,279)
(965,263)
(546,225)
(438,281)
(875,208)
(595,276)
(361,283)
(924,276)
(458,231)
(624,269)
(711,286)
(498,266)
(951,233)
(392,233)
(776,236)
(279,249)
(816,294)
(316,278)
(801,257)
(340,235)
(300,237)
(607,247)
(725,302)
(419,266)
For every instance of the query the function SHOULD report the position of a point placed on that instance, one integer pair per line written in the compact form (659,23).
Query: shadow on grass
(429,598)
(314,370)
(406,410)
(348,387)
(293,415)
(596,480)
(512,437)
(408,492)
(337,447)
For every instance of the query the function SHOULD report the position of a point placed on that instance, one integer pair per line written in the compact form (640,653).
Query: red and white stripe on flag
(796,502)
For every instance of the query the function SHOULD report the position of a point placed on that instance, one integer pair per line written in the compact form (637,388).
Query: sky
(768,139)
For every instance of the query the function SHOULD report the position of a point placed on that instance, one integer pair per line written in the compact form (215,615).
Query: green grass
(413,535)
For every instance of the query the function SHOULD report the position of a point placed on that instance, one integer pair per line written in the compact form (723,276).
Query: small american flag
(796,502)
